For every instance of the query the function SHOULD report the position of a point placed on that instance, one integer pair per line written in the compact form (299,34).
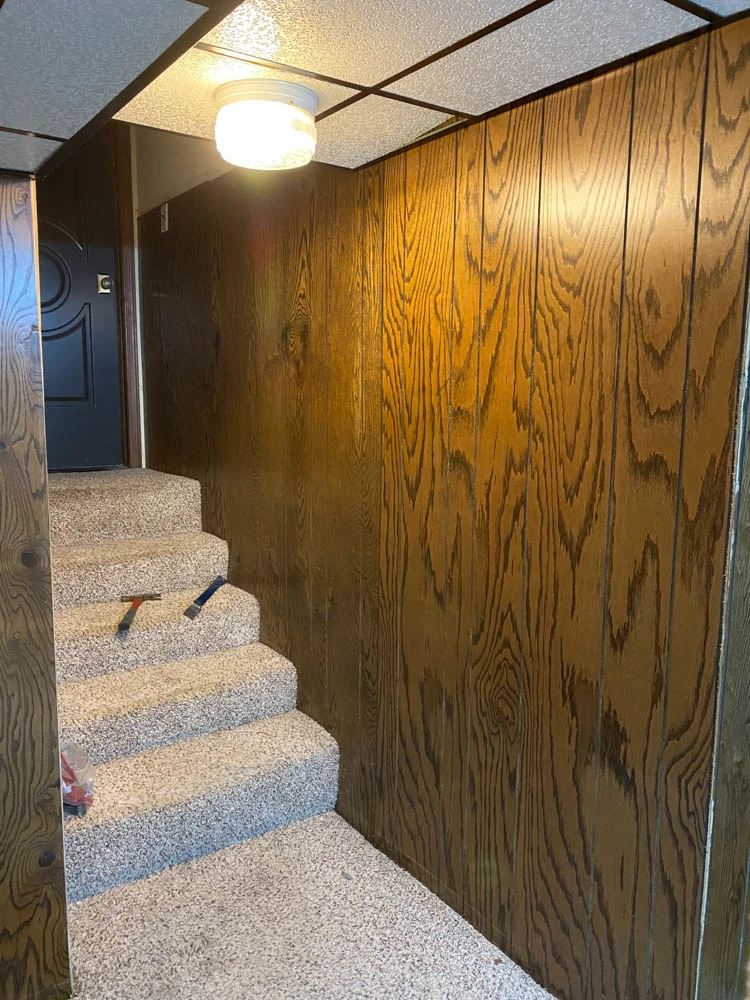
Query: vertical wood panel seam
(524,558)
(468,688)
(399,493)
(446,554)
(381,171)
(678,492)
(284,464)
(608,548)
(315,220)
(360,188)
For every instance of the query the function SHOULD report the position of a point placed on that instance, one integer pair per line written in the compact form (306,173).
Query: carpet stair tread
(164,806)
(87,643)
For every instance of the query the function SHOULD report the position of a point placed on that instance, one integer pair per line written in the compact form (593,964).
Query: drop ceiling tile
(62,61)
(354,40)
(725,7)
(555,43)
(22,152)
(182,98)
(371,128)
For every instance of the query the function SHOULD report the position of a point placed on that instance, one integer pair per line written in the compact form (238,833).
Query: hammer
(135,601)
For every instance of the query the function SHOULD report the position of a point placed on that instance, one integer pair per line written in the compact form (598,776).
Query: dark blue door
(80,335)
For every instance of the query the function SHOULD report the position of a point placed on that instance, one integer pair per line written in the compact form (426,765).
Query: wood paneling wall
(467,419)
(33,931)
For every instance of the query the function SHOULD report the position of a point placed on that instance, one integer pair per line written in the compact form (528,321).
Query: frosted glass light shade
(266,124)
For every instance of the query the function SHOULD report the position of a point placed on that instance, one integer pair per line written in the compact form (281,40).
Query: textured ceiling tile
(354,40)
(182,98)
(21,152)
(725,7)
(553,44)
(371,128)
(62,61)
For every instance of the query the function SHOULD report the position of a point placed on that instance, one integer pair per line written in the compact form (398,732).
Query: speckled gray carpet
(87,644)
(164,806)
(104,571)
(128,711)
(309,912)
(198,747)
(87,507)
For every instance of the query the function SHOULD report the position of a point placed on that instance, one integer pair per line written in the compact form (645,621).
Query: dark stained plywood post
(33,932)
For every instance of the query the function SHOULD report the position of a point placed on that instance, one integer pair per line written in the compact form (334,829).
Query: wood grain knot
(29,558)
(46,858)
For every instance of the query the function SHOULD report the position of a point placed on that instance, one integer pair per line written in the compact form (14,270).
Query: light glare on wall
(266,124)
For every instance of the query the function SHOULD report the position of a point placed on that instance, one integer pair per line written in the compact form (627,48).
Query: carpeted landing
(308,912)
(211,864)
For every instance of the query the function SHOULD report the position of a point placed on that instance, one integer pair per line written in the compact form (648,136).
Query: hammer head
(129,598)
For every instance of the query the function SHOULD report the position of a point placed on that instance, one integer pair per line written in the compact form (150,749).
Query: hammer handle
(127,619)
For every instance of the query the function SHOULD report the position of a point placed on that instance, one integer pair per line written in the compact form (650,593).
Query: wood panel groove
(373,234)
(465,903)
(594,989)
(463,366)
(524,543)
(507,287)
(344,420)
(423,379)
(394,180)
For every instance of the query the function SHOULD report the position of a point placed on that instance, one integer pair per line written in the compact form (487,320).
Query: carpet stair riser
(125,503)
(107,571)
(139,729)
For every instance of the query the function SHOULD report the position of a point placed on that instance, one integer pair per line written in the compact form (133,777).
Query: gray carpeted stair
(164,806)
(133,710)
(103,571)
(179,888)
(86,640)
(90,507)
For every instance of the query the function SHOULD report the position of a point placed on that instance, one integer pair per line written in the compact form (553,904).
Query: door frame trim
(127,300)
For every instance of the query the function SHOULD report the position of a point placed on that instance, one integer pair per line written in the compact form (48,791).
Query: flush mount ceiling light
(266,124)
